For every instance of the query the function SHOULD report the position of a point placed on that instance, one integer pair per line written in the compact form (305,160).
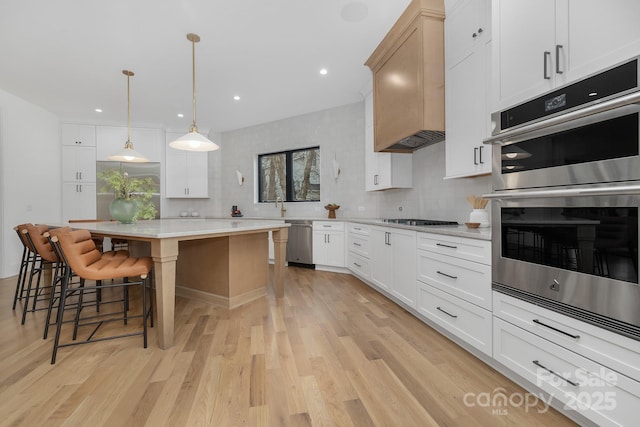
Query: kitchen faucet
(282,209)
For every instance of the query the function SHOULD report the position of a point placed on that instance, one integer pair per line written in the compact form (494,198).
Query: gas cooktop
(422,222)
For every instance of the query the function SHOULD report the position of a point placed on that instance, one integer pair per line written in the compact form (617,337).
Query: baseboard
(219,300)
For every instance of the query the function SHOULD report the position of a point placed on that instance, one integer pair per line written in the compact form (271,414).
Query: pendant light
(128,154)
(193,141)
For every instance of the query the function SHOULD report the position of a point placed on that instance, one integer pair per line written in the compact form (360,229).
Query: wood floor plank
(331,352)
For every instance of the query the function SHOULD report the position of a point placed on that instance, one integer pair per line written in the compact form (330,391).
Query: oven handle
(631,98)
(572,192)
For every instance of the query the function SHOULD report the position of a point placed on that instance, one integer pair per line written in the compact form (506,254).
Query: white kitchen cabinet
(540,45)
(383,170)
(78,164)
(359,249)
(467,65)
(600,394)
(111,140)
(78,172)
(393,262)
(328,243)
(186,172)
(78,135)
(453,276)
(78,200)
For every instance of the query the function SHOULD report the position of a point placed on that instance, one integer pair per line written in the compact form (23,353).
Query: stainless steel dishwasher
(300,243)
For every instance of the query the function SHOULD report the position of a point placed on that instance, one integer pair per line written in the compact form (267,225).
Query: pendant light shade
(194,141)
(128,154)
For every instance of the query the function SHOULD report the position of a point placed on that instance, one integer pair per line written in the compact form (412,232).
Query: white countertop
(180,227)
(448,230)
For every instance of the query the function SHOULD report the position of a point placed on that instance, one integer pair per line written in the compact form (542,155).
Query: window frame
(289,190)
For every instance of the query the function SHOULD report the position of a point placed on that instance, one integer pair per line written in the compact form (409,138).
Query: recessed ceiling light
(98,110)
(323,71)
(236,97)
(180,115)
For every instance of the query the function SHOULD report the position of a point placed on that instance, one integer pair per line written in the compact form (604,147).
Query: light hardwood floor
(333,352)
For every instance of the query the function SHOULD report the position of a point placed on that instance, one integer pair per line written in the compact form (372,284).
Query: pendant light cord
(194,128)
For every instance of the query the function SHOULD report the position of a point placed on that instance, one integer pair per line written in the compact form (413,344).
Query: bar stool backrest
(35,234)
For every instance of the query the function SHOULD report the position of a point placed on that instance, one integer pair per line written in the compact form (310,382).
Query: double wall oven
(566,181)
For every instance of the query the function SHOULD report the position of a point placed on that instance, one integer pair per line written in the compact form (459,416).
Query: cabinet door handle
(547,57)
(77,188)
(480,30)
(540,365)
(328,238)
(447,313)
(480,155)
(558,70)
(475,155)
(80,176)
(76,176)
(575,337)
(357,265)
(80,187)
(446,246)
(446,275)
(375,179)
(356,244)
(474,35)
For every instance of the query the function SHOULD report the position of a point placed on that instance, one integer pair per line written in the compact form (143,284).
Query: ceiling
(67,56)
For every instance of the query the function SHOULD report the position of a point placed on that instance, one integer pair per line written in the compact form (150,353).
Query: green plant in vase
(132,196)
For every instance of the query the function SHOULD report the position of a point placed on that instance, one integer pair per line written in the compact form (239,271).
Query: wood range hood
(408,80)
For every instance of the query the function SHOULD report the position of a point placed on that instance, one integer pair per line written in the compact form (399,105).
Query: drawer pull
(447,313)
(575,337)
(446,246)
(357,228)
(327,225)
(447,275)
(356,244)
(540,365)
(357,265)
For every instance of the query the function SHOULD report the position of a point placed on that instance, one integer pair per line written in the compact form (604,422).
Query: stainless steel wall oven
(566,180)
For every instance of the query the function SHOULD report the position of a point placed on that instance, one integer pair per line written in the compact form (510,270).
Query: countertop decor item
(478,214)
(132,195)
(472,224)
(332,208)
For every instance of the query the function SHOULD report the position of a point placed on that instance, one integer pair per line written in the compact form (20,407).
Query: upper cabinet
(186,172)
(540,45)
(408,80)
(78,135)
(467,61)
(111,140)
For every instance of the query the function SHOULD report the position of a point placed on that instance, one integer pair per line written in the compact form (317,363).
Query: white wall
(30,176)
(338,131)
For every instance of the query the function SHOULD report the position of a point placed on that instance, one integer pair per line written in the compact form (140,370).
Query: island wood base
(227,271)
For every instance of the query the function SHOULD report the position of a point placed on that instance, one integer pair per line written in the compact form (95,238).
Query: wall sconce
(336,169)
(240,178)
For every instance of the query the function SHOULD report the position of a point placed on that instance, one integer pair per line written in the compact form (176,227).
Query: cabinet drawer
(359,244)
(459,247)
(467,321)
(613,350)
(598,393)
(328,225)
(354,228)
(358,265)
(467,280)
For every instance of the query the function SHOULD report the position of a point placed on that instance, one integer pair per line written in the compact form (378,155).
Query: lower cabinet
(459,317)
(598,393)
(589,369)
(328,243)
(393,262)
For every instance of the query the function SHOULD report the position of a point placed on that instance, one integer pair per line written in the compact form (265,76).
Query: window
(293,176)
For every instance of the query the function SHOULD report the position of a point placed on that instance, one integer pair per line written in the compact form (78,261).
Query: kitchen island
(213,256)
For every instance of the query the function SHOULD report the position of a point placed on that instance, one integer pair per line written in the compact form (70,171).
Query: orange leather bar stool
(80,255)
(43,259)
(28,256)
(117,244)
